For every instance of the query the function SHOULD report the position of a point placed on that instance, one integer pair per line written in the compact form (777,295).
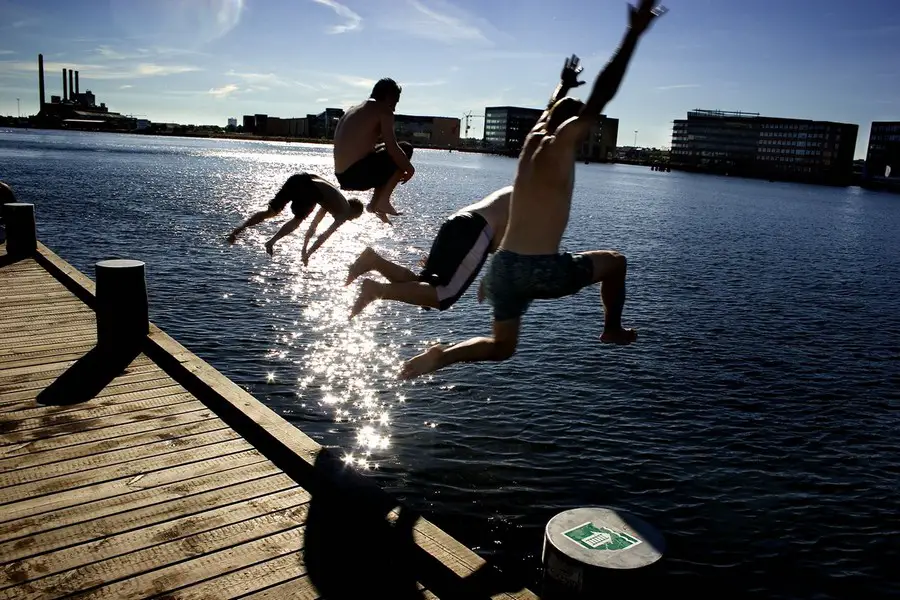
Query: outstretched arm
(607,84)
(322,238)
(608,81)
(568,79)
(312,229)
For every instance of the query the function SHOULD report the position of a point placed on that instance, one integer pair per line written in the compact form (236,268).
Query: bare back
(495,209)
(542,195)
(333,200)
(357,133)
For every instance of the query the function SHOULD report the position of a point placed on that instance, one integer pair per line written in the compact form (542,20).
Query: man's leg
(255,219)
(610,268)
(381,197)
(501,346)
(286,229)
(369,260)
(418,293)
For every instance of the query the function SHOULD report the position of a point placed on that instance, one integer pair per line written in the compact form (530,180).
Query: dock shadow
(352,549)
(7,260)
(88,376)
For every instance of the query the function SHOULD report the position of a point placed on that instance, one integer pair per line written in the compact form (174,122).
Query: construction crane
(468,116)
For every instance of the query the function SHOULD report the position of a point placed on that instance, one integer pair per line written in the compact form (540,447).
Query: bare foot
(423,363)
(368,293)
(623,337)
(383,217)
(232,238)
(270,248)
(361,266)
(377,208)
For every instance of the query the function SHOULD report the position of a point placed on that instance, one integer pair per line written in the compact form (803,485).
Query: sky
(202,61)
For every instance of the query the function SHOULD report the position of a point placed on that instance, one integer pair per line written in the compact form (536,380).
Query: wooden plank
(85,464)
(97,425)
(89,413)
(10,400)
(41,358)
(185,503)
(24,295)
(77,457)
(66,308)
(83,443)
(261,577)
(72,557)
(29,410)
(48,320)
(128,469)
(39,379)
(288,541)
(52,331)
(29,344)
(300,588)
(33,515)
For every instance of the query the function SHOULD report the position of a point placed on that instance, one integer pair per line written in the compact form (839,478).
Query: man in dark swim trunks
(528,265)
(457,254)
(304,191)
(366,153)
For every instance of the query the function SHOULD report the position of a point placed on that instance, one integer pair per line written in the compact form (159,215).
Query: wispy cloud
(438,21)
(23,23)
(321,100)
(127,86)
(3,52)
(100,71)
(354,81)
(258,79)
(352,21)
(677,86)
(224,91)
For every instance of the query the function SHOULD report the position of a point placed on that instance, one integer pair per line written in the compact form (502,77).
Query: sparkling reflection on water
(754,422)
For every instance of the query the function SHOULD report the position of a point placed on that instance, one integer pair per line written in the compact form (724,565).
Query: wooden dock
(150,474)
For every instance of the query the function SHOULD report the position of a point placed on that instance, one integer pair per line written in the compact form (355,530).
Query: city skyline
(189,62)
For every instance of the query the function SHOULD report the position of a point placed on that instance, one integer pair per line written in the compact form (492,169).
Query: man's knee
(504,350)
(407,149)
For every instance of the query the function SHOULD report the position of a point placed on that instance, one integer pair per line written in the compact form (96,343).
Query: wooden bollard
(21,234)
(123,319)
(587,551)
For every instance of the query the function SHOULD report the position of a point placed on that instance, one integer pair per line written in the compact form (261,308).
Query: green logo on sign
(601,538)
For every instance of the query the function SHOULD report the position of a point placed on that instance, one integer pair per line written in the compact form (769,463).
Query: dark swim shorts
(513,280)
(373,170)
(301,191)
(457,255)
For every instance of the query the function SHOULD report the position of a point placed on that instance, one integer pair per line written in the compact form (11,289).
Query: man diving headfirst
(304,191)
(528,265)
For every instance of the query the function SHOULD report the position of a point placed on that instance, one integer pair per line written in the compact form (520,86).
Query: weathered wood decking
(155,476)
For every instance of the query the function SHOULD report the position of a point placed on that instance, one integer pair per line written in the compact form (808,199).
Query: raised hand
(641,17)
(570,72)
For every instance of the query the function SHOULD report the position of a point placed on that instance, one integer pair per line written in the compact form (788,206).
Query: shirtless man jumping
(457,254)
(304,191)
(528,265)
(366,153)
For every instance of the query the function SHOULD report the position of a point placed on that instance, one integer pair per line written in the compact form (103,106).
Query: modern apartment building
(505,127)
(751,145)
(884,150)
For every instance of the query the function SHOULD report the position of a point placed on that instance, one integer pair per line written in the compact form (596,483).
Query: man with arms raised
(366,153)
(528,264)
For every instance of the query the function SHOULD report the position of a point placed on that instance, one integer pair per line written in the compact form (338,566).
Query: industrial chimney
(41,79)
(76,85)
(71,86)
(65,89)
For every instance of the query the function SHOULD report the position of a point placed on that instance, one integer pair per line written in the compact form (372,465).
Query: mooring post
(21,234)
(123,320)
(589,551)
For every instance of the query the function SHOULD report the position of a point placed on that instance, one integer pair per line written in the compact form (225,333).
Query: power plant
(76,110)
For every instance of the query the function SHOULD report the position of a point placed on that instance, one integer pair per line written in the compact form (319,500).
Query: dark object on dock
(21,240)
(122,311)
(590,552)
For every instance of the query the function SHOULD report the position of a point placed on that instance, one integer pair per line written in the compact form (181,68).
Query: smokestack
(76,84)
(65,89)
(41,78)
(71,87)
